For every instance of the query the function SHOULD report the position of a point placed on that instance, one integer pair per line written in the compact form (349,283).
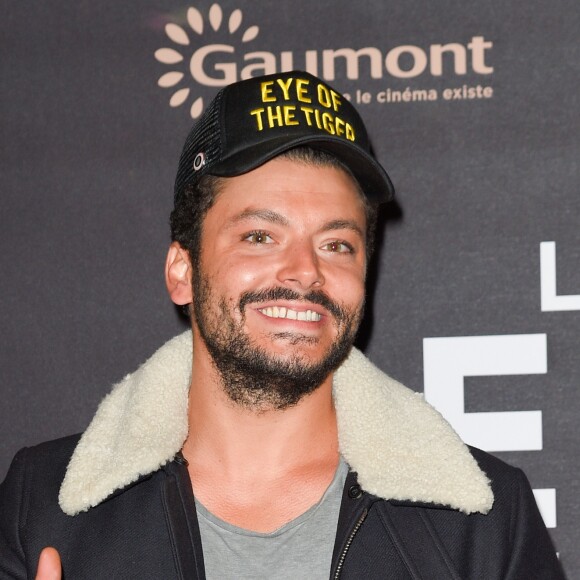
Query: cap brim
(370,175)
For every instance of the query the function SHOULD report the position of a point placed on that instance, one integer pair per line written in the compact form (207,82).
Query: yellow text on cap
(299,88)
(273,116)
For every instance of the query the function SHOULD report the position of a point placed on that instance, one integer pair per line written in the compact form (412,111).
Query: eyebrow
(263,214)
(343,225)
(274,217)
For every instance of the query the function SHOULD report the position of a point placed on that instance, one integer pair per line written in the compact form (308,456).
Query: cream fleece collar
(400,446)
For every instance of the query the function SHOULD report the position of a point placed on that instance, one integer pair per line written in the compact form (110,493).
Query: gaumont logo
(199,57)
(219,50)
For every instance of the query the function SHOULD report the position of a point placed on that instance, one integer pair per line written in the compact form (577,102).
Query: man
(261,444)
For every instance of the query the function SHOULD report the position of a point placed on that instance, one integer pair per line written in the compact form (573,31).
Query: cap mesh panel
(204,138)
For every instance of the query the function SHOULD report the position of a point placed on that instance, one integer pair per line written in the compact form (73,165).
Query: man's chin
(293,336)
(275,376)
(302,350)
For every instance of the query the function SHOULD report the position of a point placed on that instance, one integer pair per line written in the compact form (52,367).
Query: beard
(251,376)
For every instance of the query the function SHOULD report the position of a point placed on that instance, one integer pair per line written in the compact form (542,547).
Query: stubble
(251,376)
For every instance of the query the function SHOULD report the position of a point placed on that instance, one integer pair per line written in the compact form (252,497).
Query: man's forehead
(295,162)
(287,179)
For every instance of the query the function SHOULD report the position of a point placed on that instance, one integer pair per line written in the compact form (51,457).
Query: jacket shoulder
(494,467)
(55,449)
(491,462)
(48,460)
(513,531)
(509,484)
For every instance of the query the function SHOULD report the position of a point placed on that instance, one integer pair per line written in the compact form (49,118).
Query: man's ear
(178,274)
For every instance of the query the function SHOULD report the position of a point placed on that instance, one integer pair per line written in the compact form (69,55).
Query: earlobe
(178,275)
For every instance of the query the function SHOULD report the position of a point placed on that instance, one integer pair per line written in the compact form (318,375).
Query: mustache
(313,296)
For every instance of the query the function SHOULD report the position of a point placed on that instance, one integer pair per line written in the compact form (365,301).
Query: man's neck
(231,449)
(239,439)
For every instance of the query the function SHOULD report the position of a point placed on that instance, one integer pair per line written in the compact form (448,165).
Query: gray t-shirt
(301,548)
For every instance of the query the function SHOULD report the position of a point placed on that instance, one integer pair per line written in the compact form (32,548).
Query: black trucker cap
(254,120)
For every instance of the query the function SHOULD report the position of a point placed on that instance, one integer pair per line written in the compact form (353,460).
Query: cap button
(354,491)
(198,161)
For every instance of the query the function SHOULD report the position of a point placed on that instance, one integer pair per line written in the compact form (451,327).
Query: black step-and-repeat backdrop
(474,110)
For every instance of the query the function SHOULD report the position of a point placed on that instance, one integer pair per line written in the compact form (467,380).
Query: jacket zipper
(349,542)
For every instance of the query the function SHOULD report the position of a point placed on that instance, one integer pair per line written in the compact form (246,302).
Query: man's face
(279,290)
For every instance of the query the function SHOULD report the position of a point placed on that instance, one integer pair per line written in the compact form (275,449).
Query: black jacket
(429,518)
(149,529)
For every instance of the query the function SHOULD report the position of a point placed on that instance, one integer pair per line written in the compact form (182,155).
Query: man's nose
(300,267)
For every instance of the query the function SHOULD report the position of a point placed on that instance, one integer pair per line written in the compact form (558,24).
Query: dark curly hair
(195,200)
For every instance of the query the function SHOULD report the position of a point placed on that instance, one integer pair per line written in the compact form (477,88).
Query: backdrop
(473,108)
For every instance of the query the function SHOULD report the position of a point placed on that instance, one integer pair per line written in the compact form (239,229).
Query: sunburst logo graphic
(188,53)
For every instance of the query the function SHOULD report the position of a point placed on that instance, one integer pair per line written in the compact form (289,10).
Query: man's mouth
(282,312)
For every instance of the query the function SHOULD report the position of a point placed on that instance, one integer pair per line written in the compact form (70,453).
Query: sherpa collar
(400,446)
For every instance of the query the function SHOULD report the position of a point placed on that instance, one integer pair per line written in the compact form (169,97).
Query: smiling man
(261,444)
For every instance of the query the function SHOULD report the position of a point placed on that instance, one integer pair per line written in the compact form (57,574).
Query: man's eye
(258,237)
(338,246)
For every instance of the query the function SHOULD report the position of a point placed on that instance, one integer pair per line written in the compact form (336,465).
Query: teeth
(289,314)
